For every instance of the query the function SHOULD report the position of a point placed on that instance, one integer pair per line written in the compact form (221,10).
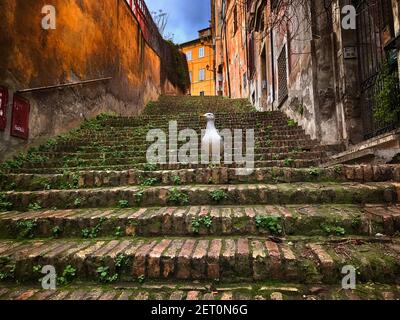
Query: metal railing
(149,29)
(64,85)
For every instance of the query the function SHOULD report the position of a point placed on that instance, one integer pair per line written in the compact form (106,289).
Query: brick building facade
(295,56)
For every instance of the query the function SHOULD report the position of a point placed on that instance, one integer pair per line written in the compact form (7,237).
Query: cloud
(186,17)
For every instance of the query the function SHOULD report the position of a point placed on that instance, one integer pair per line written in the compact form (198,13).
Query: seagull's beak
(204,115)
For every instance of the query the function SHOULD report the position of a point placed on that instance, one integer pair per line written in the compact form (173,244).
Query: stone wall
(92,39)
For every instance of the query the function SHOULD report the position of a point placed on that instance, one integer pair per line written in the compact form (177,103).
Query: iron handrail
(64,85)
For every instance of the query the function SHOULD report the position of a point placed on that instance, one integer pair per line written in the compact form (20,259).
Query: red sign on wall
(3,107)
(20,118)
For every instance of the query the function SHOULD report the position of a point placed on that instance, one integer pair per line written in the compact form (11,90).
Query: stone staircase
(115,227)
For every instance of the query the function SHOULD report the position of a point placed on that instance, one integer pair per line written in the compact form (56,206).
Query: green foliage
(288,162)
(356,222)
(292,123)
(177,69)
(47,186)
(77,202)
(141,279)
(139,196)
(121,261)
(176,180)
(218,195)
(30,157)
(314,172)
(150,167)
(92,233)
(269,223)
(5,205)
(70,180)
(269,128)
(296,150)
(68,275)
(333,230)
(34,206)
(387,99)
(26,228)
(268,143)
(56,232)
(338,169)
(92,124)
(123,204)
(104,276)
(37,268)
(177,197)
(118,232)
(7,270)
(205,221)
(149,182)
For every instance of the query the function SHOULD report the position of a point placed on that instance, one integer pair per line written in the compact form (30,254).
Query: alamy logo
(229,151)
(349,20)
(349,280)
(49,20)
(50,279)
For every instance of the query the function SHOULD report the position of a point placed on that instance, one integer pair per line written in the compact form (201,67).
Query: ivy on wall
(175,67)
(387,96)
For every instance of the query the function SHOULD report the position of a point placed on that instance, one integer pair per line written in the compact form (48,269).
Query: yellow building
(200,57)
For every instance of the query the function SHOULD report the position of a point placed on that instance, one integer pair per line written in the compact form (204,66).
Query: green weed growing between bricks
(273,224)
(103,272)
(139,196)
(176,180)
(7,269)
(314,172)
(68,275)
(34,206)
(123,204)
(56,232)
(330,229)
(26,229)
(205,221)
(92,233)
(177,197)
(218,195)
(5,205)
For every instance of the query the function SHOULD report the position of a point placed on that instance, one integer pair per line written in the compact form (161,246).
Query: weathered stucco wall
(92,39)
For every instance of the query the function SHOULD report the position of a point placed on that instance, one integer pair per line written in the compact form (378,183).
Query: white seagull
(212,141)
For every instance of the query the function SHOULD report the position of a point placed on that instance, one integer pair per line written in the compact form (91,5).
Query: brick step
(294,160)
(98,148)
(205,291)
(78,146)
(139,154)
(223,175)
(42,168)
(193,116)
(141,142)
(220,118)
(190,116)
(304,220)
(259,136)
(220,124)
(308,260)
(111,131)
(245,194)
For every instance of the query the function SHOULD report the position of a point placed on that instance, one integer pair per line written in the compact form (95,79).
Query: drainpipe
(227,59)
(245,6)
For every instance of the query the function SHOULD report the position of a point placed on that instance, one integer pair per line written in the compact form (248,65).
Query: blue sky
(186,17)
